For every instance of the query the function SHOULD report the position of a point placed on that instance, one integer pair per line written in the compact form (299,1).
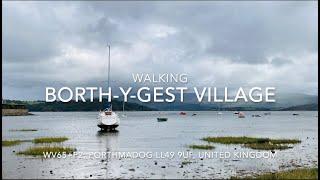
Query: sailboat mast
(110,105)
(109,66)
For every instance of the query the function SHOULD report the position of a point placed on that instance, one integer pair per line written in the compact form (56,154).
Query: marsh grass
(254,143)
(207,147)
(235,140)
(305,173)
(186,162)
(24,130)
(285,141)
(50,140)
(11,142)
(39,151)
(267,146)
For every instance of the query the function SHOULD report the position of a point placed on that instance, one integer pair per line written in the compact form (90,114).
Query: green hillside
(78,106)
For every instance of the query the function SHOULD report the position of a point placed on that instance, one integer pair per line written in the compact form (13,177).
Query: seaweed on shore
(11,142)
(304,173)
(207,147)
(40,151)
(50,140)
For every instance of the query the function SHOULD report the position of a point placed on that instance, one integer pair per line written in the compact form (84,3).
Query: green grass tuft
(254,143)
(185,162)
(235,140)
(285,141)
(11,142)
(50,140)
(39,151)
(201,147)
(306,173)
(267,146)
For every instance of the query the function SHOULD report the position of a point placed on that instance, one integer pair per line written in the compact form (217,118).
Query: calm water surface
(140,132)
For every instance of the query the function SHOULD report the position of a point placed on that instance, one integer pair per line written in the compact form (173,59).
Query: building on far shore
(14,109)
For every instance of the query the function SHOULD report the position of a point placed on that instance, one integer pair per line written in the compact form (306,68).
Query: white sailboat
(107,119)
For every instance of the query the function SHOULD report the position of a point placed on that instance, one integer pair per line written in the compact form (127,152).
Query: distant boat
(267,113)
(295,114)
(219,113)
(194,114)
(183,113)
(256,115)
(162,119)
(107,119)
(241,115)
(237,112)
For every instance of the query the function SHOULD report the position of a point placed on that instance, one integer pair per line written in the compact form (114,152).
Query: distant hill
(285,102)
(306,107)
(78,106)
(191,104)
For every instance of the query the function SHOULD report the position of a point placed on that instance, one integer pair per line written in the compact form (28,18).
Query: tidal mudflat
(169,142)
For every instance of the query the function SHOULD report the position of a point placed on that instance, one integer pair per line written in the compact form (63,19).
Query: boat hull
(108,127)
(108,121)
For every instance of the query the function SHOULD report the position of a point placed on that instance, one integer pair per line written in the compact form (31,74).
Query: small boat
(295,114)
(194,114)
(236,112)
(267,113)
(107,119)
(182,113)
(256,115)
(241,115)
(162,119)
(219,113)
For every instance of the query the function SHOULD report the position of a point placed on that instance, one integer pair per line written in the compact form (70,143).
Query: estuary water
(165,145)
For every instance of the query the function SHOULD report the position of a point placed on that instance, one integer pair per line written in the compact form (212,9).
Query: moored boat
(162,119)
(256,115)
(107,119)
(182,113)
(241,115)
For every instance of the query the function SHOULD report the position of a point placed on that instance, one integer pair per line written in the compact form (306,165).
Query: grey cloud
(223,43)
(277,61)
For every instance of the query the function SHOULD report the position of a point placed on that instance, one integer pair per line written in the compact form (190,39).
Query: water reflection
(109,142)
(109,139)
(103,133)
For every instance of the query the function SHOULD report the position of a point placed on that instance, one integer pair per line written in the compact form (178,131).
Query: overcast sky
(216,43)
